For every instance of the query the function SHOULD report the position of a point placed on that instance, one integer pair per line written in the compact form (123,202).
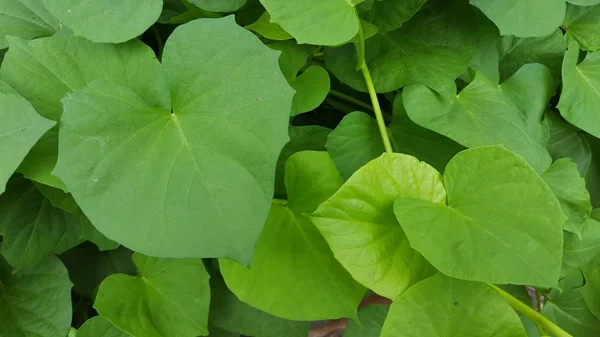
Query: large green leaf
(591,290)
(26,19)
(566,141)
(219,5)
(500,212)
(524,18)
(32,227)
(583,25)
(169,298)
(580,95)
(569,188)
(35,302)
(61,64)
(192,181)
(359,224)
(389,15)
(430,54)
(446,307)
(485,113)
(229,313)
(370,321)
(20,129)
(320,22)
(106,21)
(279,274)
(99,327)
(354,142)
(568,309)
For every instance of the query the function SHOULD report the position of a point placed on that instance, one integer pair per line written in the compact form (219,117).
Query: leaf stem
(362,65)
(351,99)
(531,314)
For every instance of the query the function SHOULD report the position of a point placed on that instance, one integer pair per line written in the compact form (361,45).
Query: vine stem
(362,65)
(351,99)
(531,314)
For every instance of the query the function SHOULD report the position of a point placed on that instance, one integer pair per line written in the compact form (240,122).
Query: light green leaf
(569,188)
(99,327)
(485,113)
(591,290)
(219,5)
(354,142)
(500,212)
(515,52)
(371,321)
(292,59)
(389,15)
(453,308)
(279,274)
(524,18)
(568,309)
(312,87)
(320,22)
(359,224)
(35,301)
(268,29)
(88,266)
(229,313)
(58,65)
(217,147)
(581,90)
(566,141)
(582,24)
(409,138)
(169,298)
(27,19)
(106,21)
(20,129)
(579,250)
(431,54)
(32,227)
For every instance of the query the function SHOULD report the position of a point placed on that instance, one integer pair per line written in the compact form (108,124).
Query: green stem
(531,314)
(320,55)
(351,99)
(279,202)
(159,41)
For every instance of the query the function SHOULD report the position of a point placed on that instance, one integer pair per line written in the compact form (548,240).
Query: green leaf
(566,141)
(389,15)
(218,148)
(581,24)
(292,59)
(229,313)
(219,5)
(524,18)
(32,227)
(21,128)
(354,142)
(61,64)
(591,290)
(371,321)
(579,250)
(569,188)
(169,298)
(106,21)
(320,22)
(415,52)
(568,309)
(26,19)
(35,301)
(312,87)
(584,2)
(268,29)
(581,90)
(99,327)
(409,138)
(279,274)
(88,266)
(485,113)
(59,198)
(500,212)
(359,224)
(302,138)
(443,306)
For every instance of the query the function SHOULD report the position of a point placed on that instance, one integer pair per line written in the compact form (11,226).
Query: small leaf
(106,22)
(362,231)
(35,301)
(581,24)
(579,250)
(170,298)
(371,321)
(319,22)
(591,290)
(566,141)
(26,19)
(268,29)
(500,212)
(218,5)
(99,327)
(453,308)
(312,87)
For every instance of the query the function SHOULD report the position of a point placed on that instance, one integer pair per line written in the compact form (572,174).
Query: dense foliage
(182,168)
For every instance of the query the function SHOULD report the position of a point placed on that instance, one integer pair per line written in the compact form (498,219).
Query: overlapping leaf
(580,249)
(26,19)
(219,5)
(370,321)
(99,327)
(389,15)
(566,141)
(581,24)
